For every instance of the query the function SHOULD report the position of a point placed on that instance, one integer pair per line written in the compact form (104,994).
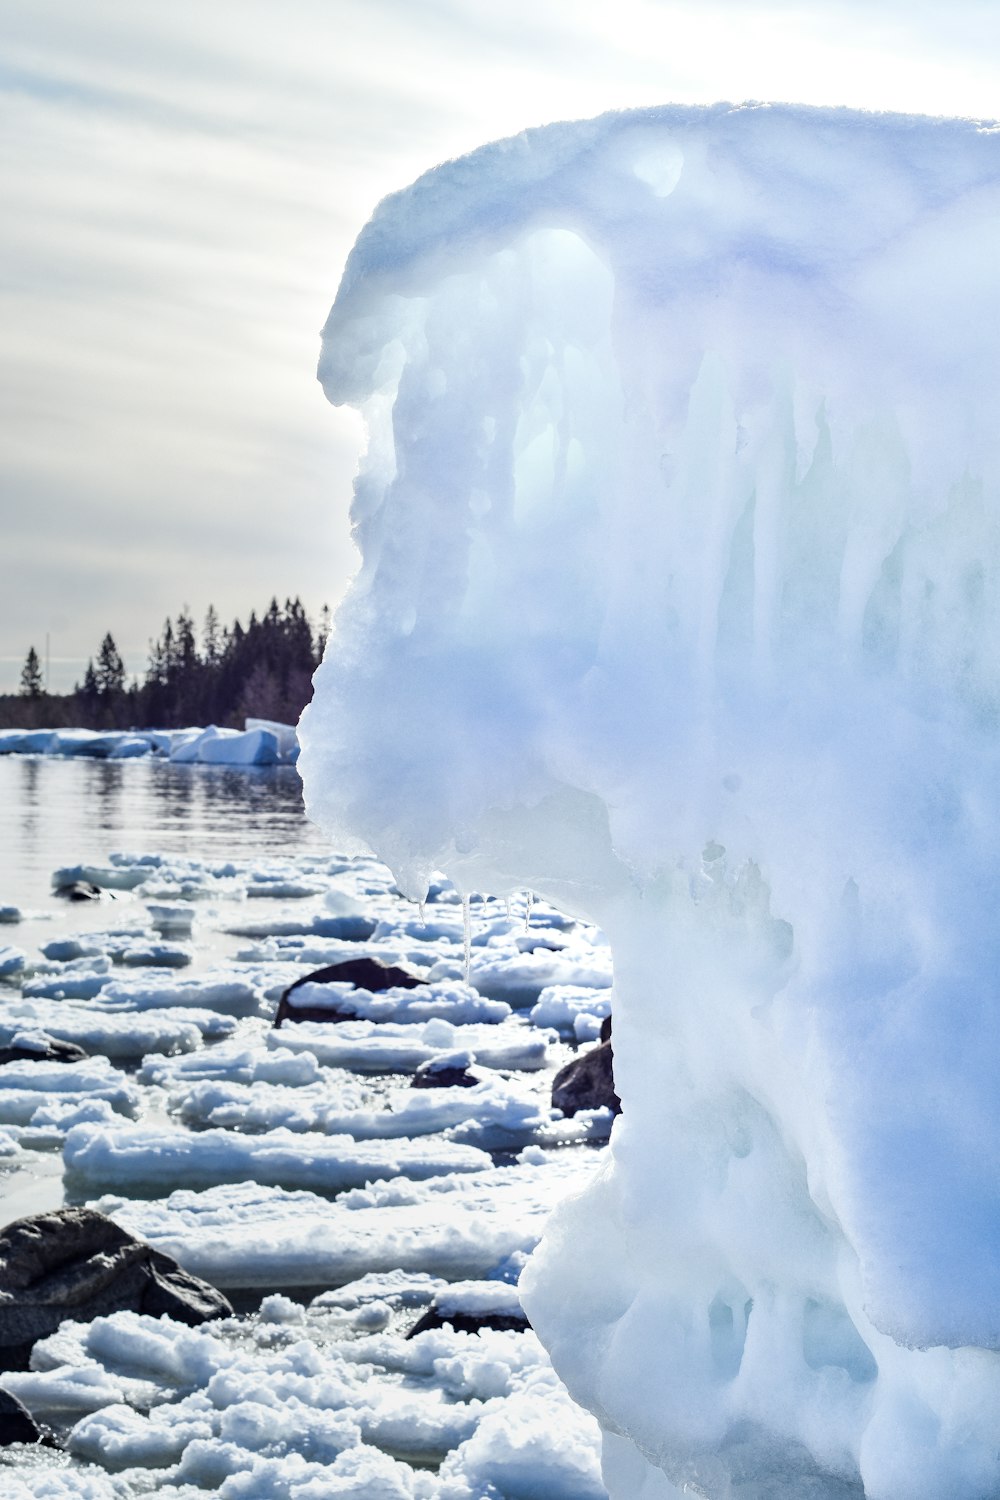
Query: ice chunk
(229,747)
(12,960)
(114,1035)
(680,523)
(133,1157)
(459,1226)
(385,1047)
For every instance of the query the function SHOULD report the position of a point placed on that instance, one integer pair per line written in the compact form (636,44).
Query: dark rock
(364,973)
(78,890)
(473,1305)
(17,1425)
(606,1029)
(588,1082)
(434,1075)
(53,1050)
(464,1322)
(75,1263)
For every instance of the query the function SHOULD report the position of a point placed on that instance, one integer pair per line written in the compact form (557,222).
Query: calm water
(56,812)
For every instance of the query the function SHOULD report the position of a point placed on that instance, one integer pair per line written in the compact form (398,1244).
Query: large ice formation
(680,603)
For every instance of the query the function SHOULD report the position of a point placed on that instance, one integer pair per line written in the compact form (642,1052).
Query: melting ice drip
(680,603)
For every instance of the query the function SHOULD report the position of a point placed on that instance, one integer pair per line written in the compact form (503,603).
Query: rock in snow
(79,1264)
(16,1423)
(369,974)
(587,1082)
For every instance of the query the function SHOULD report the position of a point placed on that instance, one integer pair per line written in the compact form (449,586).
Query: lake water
(63,811)
(66,811)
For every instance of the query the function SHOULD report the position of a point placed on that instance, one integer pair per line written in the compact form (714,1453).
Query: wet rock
(449,1070)
(364,973)
(76,1263)
(40,1048)
(468,1322)
(588,1082)
(471,1305)
(78,890)
(16,1423)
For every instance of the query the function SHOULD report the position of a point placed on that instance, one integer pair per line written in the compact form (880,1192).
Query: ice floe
(457,1226)
(103,1156)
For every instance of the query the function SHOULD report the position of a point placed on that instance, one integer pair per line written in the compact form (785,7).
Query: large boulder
(364,973)
(76,1263)
(17,1425)
(588,1082)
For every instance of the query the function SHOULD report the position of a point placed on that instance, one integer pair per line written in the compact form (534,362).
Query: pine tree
(323,634)
(187,650)
(32,684)
(210,636)
(110,670)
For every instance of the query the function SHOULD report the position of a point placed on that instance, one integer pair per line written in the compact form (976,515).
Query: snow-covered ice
(388,1047)
(680,525)
(454,1226)
(96,1155)
(281,1171)
(303,1401)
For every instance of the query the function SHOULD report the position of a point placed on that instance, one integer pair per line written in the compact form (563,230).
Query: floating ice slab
(27,1086)
(121,1036)
(12,960)
(680,522)
(455,1002)
(457,1227)
(95,1155)
(233,1062)
(384,1047)
(229,991)
(258,1107)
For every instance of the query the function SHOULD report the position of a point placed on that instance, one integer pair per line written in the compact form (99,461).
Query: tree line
(221,676)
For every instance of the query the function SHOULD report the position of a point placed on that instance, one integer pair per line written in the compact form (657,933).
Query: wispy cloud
(182,185)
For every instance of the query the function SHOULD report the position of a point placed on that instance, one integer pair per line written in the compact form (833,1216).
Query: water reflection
(56,812)
(29,796)
(106,791)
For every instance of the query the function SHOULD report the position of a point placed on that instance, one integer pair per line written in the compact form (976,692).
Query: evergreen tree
(187,650)
(323,633)
(32,685)
(110,672)
(211,637)
(89,696)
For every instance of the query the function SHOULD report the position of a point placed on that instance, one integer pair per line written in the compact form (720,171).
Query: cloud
(186,183)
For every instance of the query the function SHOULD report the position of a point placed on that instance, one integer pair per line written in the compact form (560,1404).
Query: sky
(181,183)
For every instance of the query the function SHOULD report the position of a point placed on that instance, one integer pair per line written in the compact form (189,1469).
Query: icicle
(423,917)
(529,898)
(467,928)
(508,908)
